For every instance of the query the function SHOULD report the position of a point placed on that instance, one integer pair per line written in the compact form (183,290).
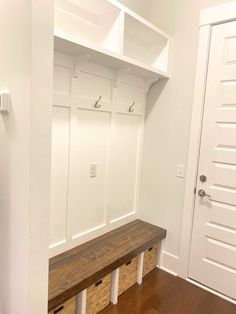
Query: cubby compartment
(98,295)
(69,307)
(146,43)
(97,22)
(128,275)
(150,259)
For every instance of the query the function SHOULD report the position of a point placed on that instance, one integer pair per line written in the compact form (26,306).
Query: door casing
(208,18)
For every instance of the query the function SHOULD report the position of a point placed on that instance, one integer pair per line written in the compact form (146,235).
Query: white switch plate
(93,170)
(180,171)
(4,101)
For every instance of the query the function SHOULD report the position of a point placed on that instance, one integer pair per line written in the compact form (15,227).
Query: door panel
(230,50)
(227,154)
(213,250)
(224,134)
(224,175)
(222,214)
(222,194)
(222,233)
(227,97)
(221,252)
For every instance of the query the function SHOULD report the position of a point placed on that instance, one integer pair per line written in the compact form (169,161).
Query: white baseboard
(211,290)
(168,271)
(169,263)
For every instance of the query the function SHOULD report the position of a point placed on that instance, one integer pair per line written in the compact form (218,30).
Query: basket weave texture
(150,259)
(98,295)
(128,275)
(69,307)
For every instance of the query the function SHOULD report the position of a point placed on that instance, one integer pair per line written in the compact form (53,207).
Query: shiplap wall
(83,207)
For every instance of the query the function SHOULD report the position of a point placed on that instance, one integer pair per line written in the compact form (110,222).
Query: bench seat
(76,269)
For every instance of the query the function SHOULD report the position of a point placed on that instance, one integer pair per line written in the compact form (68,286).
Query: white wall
(24,168)
(168,122)
(139,6)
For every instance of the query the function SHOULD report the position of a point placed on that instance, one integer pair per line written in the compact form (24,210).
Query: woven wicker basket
(128,275)
(98,295)
(69,307)
(150,259)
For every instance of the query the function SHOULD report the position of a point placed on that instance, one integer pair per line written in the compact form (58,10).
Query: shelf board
(139,18)
(65,44)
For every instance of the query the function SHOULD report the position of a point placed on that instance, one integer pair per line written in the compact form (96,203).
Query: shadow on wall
(156,91)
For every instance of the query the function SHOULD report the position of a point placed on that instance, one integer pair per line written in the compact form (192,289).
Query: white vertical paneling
(123,165)
(92,86)
(127,94)
(83,207)
(62,80)
(59,173)
(87,194)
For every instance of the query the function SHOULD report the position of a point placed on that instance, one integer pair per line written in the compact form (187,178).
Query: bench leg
(81,302)
(140,269)
(115,286)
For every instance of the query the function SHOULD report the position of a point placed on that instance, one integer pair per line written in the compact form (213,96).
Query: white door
(213,251)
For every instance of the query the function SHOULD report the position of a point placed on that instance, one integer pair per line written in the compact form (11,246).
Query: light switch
(180,171)
(93,170)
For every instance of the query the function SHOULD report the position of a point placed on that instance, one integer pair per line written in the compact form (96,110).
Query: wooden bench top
(76,269)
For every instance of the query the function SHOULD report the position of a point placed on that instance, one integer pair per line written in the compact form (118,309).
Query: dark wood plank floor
(167,294)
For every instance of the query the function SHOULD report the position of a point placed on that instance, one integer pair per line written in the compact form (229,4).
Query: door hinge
(195,190)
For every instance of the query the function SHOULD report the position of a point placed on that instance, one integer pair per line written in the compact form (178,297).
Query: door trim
(209,17)
(218,14)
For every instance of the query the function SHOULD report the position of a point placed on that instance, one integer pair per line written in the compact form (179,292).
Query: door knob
(203,178)
(202,193)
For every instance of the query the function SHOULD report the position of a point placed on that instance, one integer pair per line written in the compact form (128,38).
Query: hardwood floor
(167,294)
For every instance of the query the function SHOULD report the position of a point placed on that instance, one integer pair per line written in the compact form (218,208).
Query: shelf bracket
(149,82)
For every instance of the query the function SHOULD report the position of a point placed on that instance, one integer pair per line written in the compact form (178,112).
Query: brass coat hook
(97,104)
(131,108)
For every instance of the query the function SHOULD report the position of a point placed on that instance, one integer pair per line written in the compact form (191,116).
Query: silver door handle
(202,193)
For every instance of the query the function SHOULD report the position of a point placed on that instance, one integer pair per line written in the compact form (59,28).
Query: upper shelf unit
(110,34)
